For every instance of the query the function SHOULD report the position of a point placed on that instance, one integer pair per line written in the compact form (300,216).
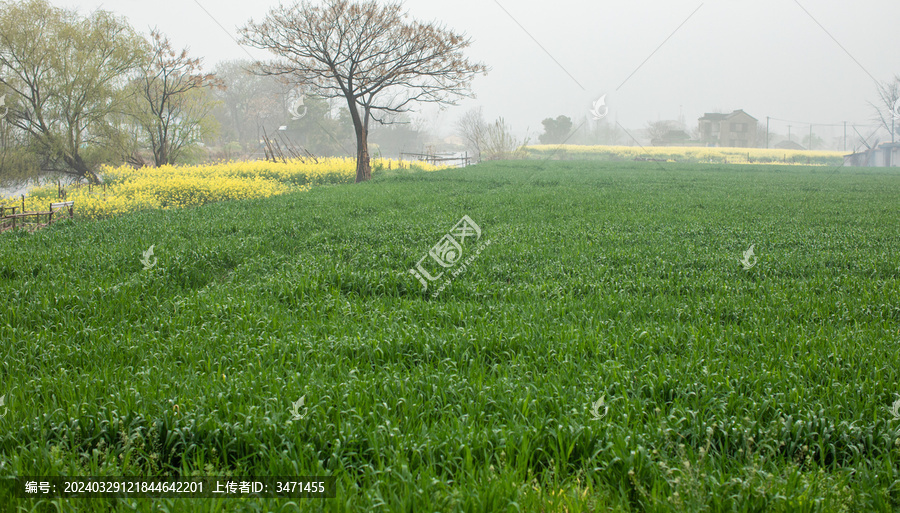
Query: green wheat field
(607,351)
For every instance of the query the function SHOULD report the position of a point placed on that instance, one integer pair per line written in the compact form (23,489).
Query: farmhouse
(883,155)
(788,145)
(737,130)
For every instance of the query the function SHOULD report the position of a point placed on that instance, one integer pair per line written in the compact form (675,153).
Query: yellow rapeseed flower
(689,154)
(128,189)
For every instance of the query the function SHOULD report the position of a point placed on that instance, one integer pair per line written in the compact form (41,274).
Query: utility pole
(810,137)
(845,136)
(767,132)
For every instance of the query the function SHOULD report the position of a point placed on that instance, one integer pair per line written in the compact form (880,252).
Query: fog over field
(808,61)
(472,256)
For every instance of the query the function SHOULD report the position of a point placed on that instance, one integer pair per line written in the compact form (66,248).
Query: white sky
(768,57)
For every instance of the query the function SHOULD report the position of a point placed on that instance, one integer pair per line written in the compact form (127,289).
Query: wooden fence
(32,220)
(462,161)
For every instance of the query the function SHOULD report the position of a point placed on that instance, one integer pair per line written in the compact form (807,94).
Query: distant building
(883,155)
(672,138)
(788,145)
(736,130)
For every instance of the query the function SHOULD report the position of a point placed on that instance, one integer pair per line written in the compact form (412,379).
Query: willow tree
(65,77)
(367,54)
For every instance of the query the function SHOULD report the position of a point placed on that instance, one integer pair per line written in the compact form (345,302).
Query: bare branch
(366,54)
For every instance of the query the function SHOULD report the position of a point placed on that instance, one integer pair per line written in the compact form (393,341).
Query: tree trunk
(81,169)
(161,152)
(363,166)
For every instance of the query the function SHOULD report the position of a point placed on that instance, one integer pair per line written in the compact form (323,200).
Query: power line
(821,124)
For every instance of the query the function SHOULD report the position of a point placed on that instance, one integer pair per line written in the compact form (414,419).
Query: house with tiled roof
(736,130)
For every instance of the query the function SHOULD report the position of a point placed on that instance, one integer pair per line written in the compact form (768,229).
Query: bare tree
(887,108)
(473,129)
(367,54)
(172,110)
(658,130)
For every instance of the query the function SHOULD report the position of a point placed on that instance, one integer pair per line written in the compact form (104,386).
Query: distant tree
(887,107)
(402,136)
(488,141)
(604,132)
(658,130)
(247,103)
(761,134)
(366,54)
(556,130)
(252,106)
(816,143)
(172,109)
(473,129)
(66,75)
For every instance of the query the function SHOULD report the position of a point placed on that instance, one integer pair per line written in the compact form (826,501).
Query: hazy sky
(768,57)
